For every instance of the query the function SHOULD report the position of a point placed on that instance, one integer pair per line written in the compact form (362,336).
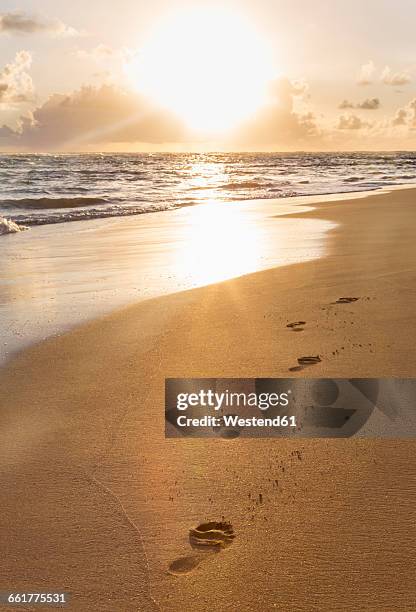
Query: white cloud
(406,115)
(102,54)
(351,122)
(365,76)
(396,78)
(400,118)
(16,84)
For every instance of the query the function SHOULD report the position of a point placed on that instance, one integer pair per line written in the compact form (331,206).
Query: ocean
(56,188)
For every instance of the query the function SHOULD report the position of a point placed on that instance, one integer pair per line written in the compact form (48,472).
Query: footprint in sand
(296,326)
(209,538)
(346,300)
(310,360)
(184,565)
(212,535)
(304,362)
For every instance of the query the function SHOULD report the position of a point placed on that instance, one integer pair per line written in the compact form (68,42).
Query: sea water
(45,189)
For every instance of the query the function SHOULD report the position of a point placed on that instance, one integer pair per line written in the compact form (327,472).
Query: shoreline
(88,432)
(42,203)
(55,281)
(58,277)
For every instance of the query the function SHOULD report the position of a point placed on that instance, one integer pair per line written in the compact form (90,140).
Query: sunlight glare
(221,243)
(207,65)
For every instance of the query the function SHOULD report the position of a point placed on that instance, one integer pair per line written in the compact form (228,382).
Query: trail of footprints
(212,537)
(299,326)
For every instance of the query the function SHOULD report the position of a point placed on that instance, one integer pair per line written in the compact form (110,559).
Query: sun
(209,66)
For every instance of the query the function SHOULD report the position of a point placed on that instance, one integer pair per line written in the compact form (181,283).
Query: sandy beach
(100,504)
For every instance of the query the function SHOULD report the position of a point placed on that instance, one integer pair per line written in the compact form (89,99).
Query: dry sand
(98,502)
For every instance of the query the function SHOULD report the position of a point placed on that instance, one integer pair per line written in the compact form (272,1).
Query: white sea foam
(10,227)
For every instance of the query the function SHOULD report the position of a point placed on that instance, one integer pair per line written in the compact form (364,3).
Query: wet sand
(101,504)
(55,277)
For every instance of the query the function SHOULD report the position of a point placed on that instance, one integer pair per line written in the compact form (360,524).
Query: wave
(245,185)
(234,186)
(51,203)
(9,227)
(92,213)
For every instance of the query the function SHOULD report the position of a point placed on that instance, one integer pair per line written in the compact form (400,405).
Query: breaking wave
(9,227)
(84,215)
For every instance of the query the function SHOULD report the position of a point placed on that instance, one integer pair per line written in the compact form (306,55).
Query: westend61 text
(231,420)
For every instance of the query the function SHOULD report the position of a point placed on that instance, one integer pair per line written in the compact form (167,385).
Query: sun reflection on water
(203,177)
(220,243)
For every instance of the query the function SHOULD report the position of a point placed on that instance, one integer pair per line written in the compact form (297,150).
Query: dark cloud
(368,104)
(345,104)
(20,23)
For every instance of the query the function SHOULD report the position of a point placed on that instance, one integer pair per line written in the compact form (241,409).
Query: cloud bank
(107,117)
(92,116)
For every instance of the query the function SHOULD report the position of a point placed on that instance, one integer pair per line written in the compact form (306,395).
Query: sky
(174,75)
